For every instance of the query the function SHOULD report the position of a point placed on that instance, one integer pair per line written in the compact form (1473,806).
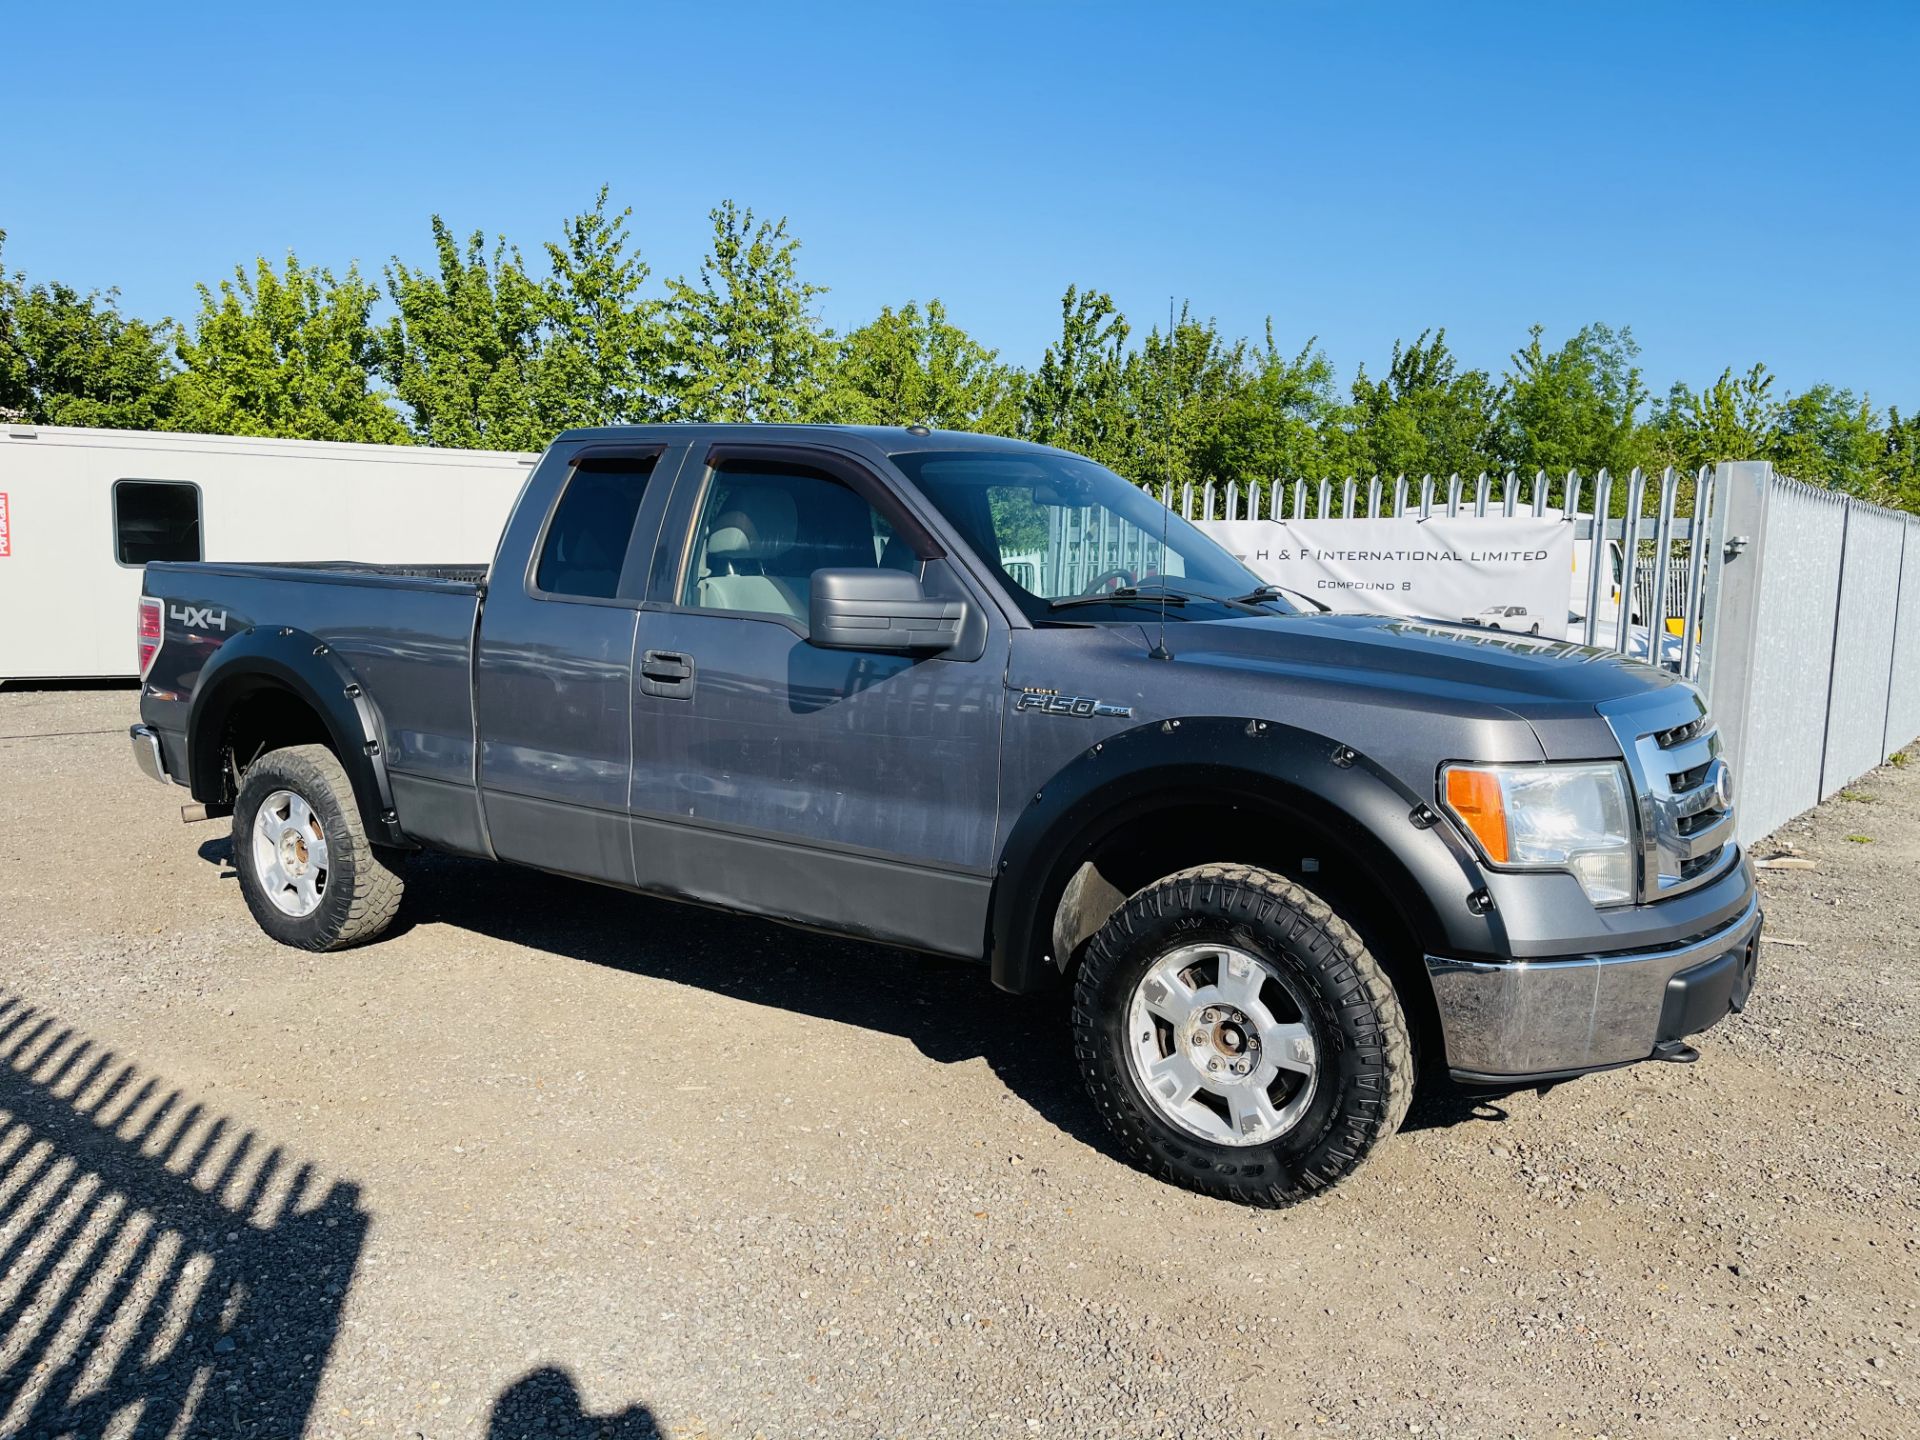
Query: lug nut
(1213,1064)
(1210,1015)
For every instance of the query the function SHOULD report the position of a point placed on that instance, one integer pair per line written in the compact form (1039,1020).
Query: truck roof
(888,439)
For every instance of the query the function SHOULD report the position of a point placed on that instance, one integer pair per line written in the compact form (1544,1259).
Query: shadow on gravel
(162,1271)
(545,1405)
(946,1008)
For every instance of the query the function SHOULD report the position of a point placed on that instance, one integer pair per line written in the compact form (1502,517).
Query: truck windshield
(1072,541)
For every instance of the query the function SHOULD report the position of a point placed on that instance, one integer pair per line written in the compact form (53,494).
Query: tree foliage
(1426,414)
(73,359)
(602,353)
(291,353)
(477,348)
(742,342)
(913,366)
(1077,398)
(463,347)
(1577,407)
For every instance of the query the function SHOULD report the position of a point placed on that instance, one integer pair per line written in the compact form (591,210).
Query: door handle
(668,673)
(666,665)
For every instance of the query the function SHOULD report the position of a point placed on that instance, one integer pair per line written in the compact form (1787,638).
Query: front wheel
(310,875)
(1238,1038)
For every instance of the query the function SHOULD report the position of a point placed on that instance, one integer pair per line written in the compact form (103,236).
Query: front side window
(764,528)
(1071,540)
(155,520)
(586,543)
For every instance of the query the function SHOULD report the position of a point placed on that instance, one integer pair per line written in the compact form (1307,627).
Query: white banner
(1506,573)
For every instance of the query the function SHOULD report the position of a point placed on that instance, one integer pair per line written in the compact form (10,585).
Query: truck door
(554,660)
(851,789)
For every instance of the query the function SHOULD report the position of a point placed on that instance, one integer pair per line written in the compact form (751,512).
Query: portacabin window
(156,520)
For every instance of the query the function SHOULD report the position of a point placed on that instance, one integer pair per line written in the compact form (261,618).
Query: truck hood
(1526,674)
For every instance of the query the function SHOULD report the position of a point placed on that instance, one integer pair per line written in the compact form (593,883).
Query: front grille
(1673,753)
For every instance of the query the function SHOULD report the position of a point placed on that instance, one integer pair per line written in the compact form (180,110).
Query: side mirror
(880,610)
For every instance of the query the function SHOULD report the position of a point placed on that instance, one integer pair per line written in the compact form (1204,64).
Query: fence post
(1730,608)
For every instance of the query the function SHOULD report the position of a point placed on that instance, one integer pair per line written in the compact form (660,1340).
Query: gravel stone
(554,1160)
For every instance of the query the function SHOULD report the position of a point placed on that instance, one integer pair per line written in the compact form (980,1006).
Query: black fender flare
(1425,868)
(281,658)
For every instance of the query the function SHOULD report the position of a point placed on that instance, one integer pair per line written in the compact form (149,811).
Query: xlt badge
(1046,702)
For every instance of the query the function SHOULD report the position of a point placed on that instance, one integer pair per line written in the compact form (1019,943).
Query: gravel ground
(555,1161)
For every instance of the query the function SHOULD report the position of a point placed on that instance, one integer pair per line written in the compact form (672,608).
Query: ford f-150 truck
(983,698)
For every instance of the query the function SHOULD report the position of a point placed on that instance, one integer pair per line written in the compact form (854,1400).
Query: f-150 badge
(1048,702)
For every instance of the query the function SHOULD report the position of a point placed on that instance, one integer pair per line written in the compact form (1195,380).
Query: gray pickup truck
(982,698)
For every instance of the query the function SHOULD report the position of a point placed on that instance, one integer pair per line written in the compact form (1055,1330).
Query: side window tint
(587,540)
(155,520)
(764,530)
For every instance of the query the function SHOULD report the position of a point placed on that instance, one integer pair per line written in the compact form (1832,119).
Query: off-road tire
(1366,1069)
(364,884)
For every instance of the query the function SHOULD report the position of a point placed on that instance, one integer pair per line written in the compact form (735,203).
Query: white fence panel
(1863,646)
(1779,773)
(1903,698)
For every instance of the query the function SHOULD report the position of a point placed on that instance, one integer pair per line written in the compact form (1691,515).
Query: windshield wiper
(1126,594)
(1274,592)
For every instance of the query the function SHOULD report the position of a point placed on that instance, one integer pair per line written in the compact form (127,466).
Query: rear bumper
(147,753)
(1531,1020)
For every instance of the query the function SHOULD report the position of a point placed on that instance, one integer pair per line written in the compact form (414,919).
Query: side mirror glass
(880,610)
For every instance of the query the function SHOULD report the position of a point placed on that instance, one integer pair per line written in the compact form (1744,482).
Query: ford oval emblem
(1720,778)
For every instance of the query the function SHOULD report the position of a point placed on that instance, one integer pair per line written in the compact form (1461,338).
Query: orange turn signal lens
(1476,797)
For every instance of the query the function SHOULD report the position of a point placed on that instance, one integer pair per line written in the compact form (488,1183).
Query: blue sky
(1737,182)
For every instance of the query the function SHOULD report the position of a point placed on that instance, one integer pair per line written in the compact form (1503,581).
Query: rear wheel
(309,873)
(1238,1038)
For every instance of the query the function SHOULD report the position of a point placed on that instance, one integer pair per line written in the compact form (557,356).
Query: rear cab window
(586,541)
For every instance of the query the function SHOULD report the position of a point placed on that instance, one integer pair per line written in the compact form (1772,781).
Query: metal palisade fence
(1796,609)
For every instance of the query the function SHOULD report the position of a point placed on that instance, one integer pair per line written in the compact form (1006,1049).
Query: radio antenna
(1159,650)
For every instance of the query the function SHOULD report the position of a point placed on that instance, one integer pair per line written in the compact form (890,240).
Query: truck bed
(345,571)
(405,632)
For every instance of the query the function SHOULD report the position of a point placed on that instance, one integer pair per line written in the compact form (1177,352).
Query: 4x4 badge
(1046,702)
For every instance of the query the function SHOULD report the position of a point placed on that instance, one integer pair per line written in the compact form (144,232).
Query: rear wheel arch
(271,689)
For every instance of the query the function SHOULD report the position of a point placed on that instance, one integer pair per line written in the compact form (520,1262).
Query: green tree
(910,366)
(1899,464)
(1427,415)
(1286,423)
(743,343)
(1577,407)
(1077,399)
(290,353)
(1181,388)
(463,352)
(1828,437)
(73,359)
(1735,418)
(601,360)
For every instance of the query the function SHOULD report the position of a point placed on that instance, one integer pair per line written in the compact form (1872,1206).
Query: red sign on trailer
(6,529)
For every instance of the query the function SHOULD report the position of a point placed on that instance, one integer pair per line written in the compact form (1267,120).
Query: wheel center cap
(293,851)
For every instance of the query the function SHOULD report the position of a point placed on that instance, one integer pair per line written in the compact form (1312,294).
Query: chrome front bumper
(1542,1019)
(146,752)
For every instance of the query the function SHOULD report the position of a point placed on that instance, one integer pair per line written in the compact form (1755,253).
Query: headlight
(1550,817)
